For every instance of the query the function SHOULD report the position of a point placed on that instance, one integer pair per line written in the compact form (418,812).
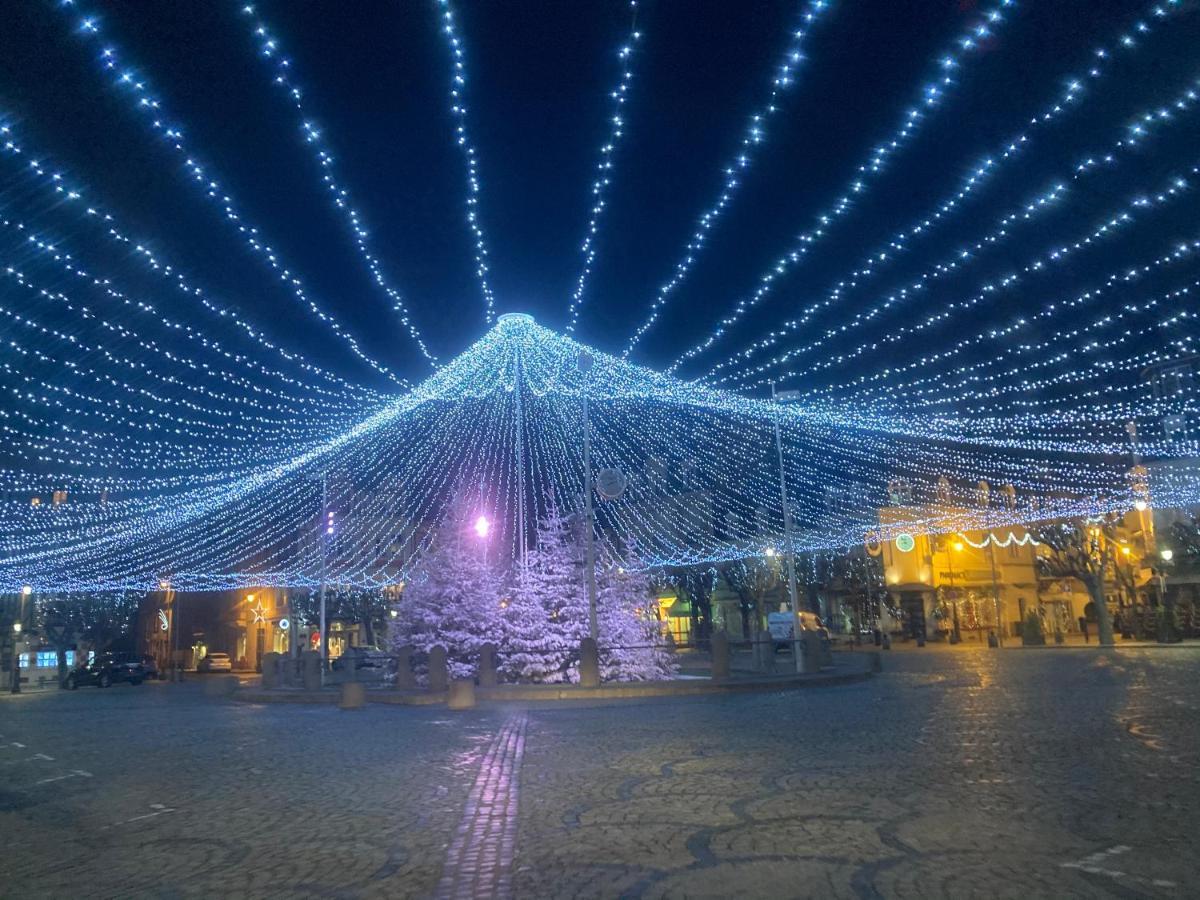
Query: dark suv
(107,670)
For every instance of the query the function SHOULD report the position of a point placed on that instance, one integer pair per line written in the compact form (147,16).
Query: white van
(779,624)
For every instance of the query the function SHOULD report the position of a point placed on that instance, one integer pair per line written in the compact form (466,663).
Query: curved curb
(550,693)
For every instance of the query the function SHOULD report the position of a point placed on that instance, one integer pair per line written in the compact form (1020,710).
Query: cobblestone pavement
(1010,774)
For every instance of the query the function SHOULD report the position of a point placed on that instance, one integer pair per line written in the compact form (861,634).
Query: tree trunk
(1095,585)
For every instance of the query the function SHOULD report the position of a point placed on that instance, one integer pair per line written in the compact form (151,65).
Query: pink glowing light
(482,526)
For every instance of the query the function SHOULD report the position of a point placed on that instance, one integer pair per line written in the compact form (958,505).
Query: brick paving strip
(479,860)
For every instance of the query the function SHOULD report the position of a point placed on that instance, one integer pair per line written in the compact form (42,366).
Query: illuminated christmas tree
(453,597)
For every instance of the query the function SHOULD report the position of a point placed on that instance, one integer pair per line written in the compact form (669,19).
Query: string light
(70,197)
(783,77)
(1111,224)
(604,168)
(1184,102)
(458,431)
(462,138)
(314,137)
(930,96)
(130,83)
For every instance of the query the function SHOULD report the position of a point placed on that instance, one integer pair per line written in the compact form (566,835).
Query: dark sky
(376,78)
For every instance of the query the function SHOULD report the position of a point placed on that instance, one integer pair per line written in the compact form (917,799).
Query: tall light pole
(16,655)
(584,363)
(952,548)
(787,530)
(995,589)
(1166,555)
(324,532)
(173,623)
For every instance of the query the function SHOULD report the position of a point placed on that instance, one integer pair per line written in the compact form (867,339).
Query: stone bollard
(462,694)
(310,668)
(765,646)
(589,663)
(354,695)
(220,685)
(825,652)
(487,665)
(270,671)
(720,656)
(810,652)
(439,676)
(405,679)
(887,641)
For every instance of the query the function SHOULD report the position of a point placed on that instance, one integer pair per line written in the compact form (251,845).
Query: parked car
(215,662)
(105,671)
(371,659)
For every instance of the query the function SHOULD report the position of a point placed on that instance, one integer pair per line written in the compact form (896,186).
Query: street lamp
(584,363)
(790,547)
(26,590)
(957,547)
(1167,632)
(16,659)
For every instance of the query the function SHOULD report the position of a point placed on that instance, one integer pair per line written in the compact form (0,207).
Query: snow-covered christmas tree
(632,645)
(453,597)
(546,616)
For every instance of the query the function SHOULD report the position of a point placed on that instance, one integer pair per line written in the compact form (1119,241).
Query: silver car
(215,662)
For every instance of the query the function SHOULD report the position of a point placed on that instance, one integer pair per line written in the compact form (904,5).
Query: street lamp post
(169,600)
(16,655)
(1167,632)
(324,530)
(584,363)
(951,549)
(995,589)
(787,533)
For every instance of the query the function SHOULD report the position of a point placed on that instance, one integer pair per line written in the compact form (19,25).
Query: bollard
(825,652)
(887,641)
(310,667)
(354,695)
(810,652)
(439,676)
(764,646)
(405,679)
(720,656)
(270,671)
(462,694)
(589,663)
(487,665)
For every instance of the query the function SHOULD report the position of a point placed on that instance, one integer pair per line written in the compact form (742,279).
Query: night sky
(376,76)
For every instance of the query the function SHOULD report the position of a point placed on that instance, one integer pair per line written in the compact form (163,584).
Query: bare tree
(1081,550)
(757,583)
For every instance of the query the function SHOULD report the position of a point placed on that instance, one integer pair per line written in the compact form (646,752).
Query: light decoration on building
(733,173)
(604,168)
(1008,540)
(283,76)
(462,138)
